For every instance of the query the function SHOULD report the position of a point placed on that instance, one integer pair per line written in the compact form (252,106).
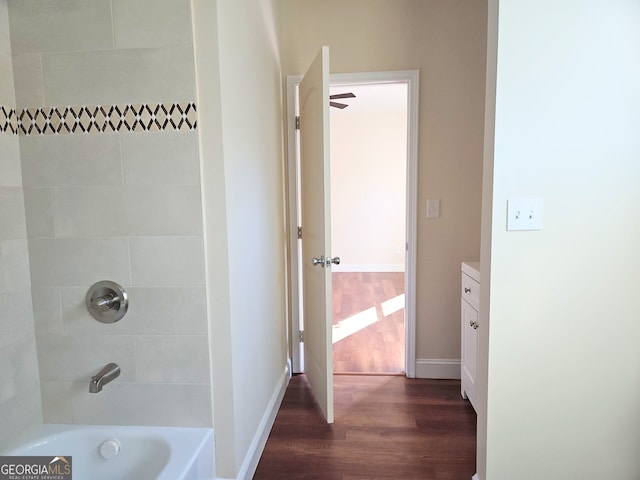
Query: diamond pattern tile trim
(8,120)
(139,117)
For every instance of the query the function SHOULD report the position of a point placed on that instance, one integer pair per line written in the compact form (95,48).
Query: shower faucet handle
(107,301)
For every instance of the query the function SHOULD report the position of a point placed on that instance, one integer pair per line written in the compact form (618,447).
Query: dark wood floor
(366,298)
(386,427)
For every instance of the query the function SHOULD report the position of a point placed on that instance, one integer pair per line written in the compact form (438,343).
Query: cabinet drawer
(470,290)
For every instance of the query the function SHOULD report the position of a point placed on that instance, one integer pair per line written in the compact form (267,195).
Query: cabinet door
(469,351)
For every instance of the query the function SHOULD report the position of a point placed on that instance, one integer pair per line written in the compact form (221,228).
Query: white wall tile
(14,265)
(163,210)
(173,359)
(74,358)
(129,210)
(20,404)
(7,92)
(10,172)
(160,261)
(5,41)
(27,75)
(94,211)
(47,310)
(144,404)
(19,413)
(16,316)
(152,311)
(161,158)
(60,25)
(38,204)
(56,402)
(79,261)
(120,76)
(12,216)
(169,310)
(18,368)
(151,23)
(65,160)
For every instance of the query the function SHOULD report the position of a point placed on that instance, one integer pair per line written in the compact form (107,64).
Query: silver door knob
(334,260)
(315,261)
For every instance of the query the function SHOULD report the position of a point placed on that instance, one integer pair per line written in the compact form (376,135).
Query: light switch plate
(524,214)
(433,208)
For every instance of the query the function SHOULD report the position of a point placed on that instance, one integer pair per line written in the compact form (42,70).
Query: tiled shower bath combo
(100,180)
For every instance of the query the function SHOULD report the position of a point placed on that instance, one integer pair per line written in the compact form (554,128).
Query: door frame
(412,79)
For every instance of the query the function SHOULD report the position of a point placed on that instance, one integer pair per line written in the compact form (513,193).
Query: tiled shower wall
(19,387)
(120,203)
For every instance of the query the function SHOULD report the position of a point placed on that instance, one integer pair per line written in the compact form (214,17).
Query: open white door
(316,233)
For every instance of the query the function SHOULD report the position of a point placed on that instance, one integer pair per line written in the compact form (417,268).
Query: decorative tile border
(8,120)
(140,117)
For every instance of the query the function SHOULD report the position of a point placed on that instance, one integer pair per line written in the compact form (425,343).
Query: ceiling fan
(338,96)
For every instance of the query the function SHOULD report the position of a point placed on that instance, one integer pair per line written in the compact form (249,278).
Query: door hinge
(299,233)
(301,336)
(297,123)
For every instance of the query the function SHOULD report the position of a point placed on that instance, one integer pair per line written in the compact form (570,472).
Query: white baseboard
(250,463)
(438,368)
(356,267)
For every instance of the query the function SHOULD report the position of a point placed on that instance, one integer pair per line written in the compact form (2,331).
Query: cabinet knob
(467,290)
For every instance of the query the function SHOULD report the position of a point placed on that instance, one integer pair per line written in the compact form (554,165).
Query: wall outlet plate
(524,214)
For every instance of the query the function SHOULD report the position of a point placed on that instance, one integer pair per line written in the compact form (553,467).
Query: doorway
(394,316)
(368,151)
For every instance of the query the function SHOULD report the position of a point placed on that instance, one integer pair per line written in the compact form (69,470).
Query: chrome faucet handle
(107,301)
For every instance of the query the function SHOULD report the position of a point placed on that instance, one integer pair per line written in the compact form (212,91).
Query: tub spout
(110,372)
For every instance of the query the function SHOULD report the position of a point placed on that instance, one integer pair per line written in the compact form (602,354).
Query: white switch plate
(524,214)
(433,208)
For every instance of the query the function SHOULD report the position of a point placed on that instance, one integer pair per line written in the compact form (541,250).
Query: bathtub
(124,453)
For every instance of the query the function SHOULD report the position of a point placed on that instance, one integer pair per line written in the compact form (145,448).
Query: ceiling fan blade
(338,105)
(342,95)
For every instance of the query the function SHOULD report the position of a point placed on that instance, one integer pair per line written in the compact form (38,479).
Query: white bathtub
(146,453)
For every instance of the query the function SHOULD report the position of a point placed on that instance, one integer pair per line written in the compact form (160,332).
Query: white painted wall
(239,81)
(368,189)
(563,323)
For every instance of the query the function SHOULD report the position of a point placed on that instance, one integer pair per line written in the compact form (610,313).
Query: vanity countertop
(472,269)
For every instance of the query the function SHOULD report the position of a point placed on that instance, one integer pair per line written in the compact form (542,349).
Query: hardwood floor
(386,427)
(371,305)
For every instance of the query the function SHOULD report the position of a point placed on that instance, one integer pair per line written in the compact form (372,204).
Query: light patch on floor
(354,324)
(393,305)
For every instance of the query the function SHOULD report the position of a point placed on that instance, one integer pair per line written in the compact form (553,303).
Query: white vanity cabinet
(469,303)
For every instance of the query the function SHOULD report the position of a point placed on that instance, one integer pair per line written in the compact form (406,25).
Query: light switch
(524,214)
(433,208)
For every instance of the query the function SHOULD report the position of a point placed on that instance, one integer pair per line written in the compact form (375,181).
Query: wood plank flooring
(375,301)
(386,427)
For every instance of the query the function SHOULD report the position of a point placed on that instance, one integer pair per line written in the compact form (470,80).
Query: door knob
(325,262)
